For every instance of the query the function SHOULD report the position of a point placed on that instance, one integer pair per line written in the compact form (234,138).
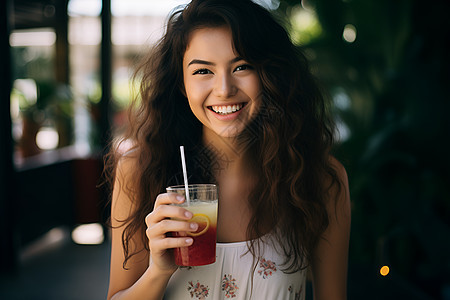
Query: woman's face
(223,90)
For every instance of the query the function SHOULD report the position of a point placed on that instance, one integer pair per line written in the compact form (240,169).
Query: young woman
(226,82)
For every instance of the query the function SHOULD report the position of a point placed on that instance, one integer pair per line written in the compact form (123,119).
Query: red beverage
(201,252)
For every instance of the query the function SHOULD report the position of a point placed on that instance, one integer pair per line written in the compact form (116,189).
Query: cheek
(254,89)
(253,84)
(196,92)
(255,93)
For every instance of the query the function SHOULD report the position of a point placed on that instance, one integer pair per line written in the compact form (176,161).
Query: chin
(230,132)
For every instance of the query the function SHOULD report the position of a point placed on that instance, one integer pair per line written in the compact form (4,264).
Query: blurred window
(38,102)
(136,26)
(48,114)
(85,35)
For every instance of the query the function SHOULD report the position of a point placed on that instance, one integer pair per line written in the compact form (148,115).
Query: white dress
(230,277)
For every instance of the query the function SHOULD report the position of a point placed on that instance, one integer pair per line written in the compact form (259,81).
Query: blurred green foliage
(54,100)
(396,75)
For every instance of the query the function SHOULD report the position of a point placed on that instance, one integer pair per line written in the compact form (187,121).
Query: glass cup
(203,205)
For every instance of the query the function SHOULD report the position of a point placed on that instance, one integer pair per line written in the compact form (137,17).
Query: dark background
(397,75)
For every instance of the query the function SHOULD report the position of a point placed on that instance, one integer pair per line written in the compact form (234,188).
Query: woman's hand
(163,219)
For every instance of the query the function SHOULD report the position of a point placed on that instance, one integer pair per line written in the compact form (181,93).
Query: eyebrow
(208,63)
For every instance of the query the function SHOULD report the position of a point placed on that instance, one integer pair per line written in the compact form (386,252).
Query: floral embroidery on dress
(198,290)
(267,267)
(229,286)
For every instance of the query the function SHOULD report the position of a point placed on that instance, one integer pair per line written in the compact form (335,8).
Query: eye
(243,67)
(201,72)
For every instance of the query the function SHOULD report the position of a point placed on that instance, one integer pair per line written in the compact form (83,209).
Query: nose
(224,86)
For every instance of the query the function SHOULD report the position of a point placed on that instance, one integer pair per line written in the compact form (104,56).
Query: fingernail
(180,198)
(188,214)
(193,226)
(189,240)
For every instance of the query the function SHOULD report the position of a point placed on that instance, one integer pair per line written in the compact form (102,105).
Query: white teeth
(225,110)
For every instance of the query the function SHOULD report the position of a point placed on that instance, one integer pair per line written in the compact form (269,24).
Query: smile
(226,109)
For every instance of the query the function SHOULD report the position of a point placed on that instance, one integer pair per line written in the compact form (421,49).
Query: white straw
(183,162)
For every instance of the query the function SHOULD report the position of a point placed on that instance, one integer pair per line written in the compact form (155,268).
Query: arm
(142,280)
(329,270)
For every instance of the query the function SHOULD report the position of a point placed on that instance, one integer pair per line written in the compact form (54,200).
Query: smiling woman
(226,82)
(223,90)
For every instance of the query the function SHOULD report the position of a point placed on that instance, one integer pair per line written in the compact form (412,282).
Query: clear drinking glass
(203,204)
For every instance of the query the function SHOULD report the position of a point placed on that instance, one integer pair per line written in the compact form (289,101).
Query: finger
(170,243)
(163,212)
(161,228)
(169,198)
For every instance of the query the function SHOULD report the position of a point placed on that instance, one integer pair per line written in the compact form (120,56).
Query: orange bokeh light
(384,270)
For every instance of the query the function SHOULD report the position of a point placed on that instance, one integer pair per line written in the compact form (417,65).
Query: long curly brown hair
(287,144)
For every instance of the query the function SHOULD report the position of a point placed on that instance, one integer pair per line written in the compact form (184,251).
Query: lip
(228,117)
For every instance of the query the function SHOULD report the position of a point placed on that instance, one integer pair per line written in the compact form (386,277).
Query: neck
(229,156)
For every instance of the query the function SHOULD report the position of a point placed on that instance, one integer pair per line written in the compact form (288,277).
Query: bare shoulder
(338,201)
(340,169)
(125,166)
(126,161)
(124,185)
